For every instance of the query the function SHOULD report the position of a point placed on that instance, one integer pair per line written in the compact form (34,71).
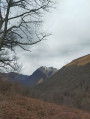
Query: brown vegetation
(80,61)
(19,107)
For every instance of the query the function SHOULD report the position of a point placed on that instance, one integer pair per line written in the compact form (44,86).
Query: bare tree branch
(20,22)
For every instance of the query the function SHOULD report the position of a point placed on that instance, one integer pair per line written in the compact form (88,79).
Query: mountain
(40,75)
(70,85)
(16,76)
(14,103)
(80,61)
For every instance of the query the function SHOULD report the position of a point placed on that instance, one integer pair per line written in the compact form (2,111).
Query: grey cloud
(70,25)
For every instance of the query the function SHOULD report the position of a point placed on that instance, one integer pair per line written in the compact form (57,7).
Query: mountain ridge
(80,61)
(69,86)
(38,76)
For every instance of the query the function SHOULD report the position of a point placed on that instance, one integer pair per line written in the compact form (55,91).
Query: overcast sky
(69,24)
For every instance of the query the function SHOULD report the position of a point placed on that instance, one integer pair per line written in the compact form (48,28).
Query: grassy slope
(80,61)
(19,107)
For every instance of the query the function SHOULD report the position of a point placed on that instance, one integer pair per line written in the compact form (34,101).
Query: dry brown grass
(80,61)
(19,107)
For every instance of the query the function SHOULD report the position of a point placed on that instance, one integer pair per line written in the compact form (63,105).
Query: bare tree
(20,22)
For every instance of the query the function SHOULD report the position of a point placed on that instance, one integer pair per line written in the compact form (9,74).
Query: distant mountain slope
(40,75)
(16,76)
(70,85)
